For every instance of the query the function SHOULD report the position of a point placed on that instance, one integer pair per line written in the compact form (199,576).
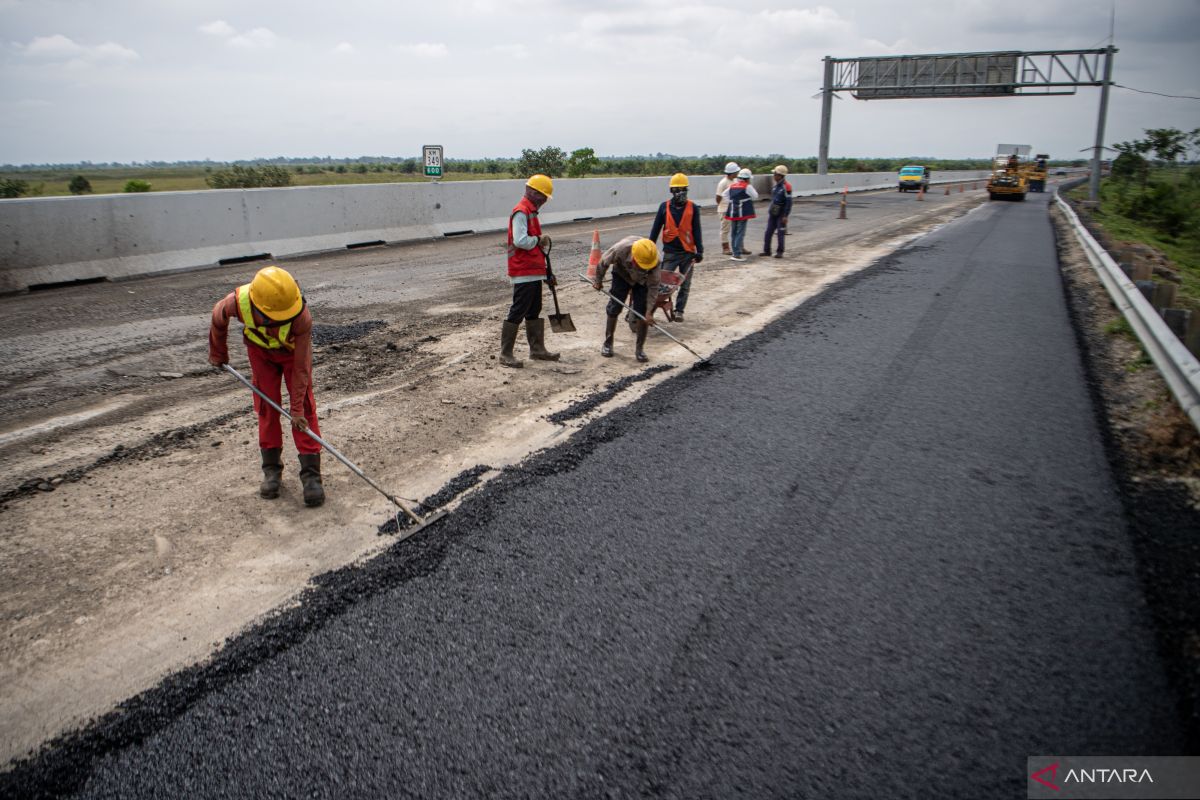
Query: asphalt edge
(1158,518)
(62,765)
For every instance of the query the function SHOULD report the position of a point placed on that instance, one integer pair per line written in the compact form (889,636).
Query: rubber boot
(535,332)
(508,337)
(638,353)
(610,327)
(310,479)
(272,467)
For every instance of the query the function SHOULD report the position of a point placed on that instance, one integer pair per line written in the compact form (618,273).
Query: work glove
(598,286)
(697,259)
(552,281)
(300,423)
(544,242)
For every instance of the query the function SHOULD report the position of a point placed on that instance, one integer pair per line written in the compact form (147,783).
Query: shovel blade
(561,323)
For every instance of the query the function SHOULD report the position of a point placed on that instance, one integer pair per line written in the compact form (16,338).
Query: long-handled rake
(421,522)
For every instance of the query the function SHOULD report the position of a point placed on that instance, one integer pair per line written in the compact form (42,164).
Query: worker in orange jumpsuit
(277,330)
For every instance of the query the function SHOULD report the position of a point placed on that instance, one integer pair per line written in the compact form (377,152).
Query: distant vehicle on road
(1060,172)
(912,178)
(1035,173)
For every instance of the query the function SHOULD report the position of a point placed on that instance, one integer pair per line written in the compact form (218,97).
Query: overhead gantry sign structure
(1006,73)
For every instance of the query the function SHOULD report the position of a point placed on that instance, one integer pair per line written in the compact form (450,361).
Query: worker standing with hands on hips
(683,246)
(777,215)
(527,270)
(277,329)
(634,265)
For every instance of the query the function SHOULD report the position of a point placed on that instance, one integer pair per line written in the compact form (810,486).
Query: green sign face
(433,160)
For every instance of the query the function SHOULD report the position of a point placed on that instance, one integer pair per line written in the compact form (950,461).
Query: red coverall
(292,363)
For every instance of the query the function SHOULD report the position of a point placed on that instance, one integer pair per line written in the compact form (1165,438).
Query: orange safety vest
(681,231)
(258,333)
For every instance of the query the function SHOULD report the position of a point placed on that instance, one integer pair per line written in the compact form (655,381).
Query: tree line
(1159,197)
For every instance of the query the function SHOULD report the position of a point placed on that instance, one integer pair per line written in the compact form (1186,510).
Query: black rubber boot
(272,467)
(638,353)
(535,332)
(310,478)
(610,327)
(508,337)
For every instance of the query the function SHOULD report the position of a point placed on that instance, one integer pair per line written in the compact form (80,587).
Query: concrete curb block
(56,240)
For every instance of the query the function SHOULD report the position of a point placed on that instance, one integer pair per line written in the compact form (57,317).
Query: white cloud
(518,51)
(218,28)
(53,47)
(424,49)
(62,48)
(256,39)
(344,49)
(111,51)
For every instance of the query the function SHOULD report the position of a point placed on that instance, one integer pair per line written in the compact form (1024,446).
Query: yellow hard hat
(679,181)
(542,184)
(275,293)
(645,254)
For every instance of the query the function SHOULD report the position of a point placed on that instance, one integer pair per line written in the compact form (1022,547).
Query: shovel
(420,522)
(559,322)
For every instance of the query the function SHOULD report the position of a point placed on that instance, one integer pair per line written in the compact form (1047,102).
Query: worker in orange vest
(683,246)
(277,330)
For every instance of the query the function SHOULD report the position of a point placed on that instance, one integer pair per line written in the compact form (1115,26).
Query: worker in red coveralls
(277,329)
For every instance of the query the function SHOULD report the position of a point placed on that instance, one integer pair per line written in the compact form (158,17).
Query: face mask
(678,197)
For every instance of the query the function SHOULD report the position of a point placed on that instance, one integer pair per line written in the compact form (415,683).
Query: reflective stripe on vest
(682,231)
(257,333)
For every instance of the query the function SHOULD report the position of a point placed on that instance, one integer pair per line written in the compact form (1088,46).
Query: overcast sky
(138,80)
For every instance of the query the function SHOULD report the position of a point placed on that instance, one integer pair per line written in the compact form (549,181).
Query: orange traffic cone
(842,209)
(594,256)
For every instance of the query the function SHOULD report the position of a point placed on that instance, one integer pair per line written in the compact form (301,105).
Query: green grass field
(1183,250)
(186,179)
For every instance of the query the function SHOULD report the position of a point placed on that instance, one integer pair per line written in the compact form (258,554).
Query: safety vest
(681,231)
(257,333)
(523,262)
(741,206)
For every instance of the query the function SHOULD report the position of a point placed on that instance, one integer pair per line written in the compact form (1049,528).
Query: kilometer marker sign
(433,160)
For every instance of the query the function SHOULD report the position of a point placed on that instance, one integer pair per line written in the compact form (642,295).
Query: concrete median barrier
(60,240)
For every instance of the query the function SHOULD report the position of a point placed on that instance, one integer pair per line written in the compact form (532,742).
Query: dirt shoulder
(153,546)
(1155,453)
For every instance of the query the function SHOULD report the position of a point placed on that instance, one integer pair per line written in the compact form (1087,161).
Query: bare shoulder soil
(1155,453)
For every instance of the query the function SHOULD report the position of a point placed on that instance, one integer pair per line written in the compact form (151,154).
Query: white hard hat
(744,174)
(731,168)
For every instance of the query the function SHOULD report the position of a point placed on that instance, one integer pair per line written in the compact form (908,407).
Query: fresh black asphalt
(875,551)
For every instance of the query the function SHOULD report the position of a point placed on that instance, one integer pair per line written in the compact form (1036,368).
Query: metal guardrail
(1179,368)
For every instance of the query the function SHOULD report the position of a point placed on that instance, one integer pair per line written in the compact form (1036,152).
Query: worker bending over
(277,330)
(634,265)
